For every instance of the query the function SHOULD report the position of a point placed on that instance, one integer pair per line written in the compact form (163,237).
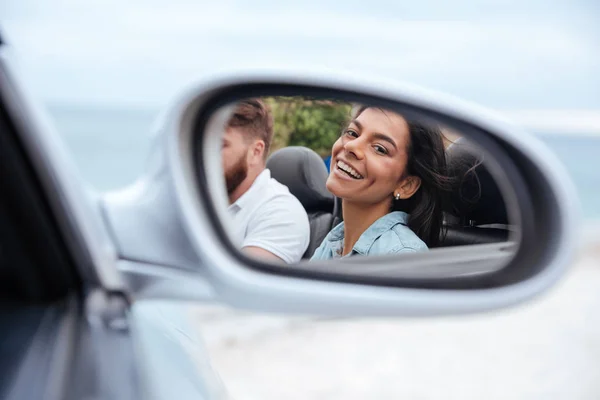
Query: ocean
(110,147)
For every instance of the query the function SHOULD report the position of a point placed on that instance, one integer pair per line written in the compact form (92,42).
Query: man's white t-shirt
(270,217)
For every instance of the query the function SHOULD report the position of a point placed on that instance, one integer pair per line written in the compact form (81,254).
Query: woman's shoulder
(399,238)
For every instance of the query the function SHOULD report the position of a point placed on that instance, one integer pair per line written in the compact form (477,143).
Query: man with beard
(268,221)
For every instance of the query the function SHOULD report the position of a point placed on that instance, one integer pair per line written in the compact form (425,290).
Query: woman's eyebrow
(376,135)
(357,123)
(388,139)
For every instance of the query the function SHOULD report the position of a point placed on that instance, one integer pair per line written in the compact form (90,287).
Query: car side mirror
(433,205)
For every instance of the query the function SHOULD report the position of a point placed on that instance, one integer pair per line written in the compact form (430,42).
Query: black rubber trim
(35,265)
(535,242)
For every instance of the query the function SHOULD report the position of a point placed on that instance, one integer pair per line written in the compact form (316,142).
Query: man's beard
(236,175)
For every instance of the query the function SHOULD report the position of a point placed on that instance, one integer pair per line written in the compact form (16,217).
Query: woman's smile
(345,170)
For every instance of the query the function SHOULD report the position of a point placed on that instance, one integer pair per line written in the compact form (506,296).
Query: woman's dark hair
(426,160)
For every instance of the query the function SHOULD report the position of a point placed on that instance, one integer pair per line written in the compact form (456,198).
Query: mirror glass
(323,183)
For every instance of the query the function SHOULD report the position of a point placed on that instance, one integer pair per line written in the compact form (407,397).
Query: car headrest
(305,174)
(476,198)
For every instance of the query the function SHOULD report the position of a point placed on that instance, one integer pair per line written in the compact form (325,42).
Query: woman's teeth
(349,170)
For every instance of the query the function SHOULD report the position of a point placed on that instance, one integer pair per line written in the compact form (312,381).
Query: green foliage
(312,123)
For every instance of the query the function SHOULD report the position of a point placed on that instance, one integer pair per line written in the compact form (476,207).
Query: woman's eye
(350,132)
(380,149)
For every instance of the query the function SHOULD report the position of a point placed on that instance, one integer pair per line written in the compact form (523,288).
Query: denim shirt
(388,235)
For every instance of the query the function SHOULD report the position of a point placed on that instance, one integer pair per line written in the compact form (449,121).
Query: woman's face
(369,159)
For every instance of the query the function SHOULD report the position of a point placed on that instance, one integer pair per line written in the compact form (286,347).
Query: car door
(69,327)
(58,333)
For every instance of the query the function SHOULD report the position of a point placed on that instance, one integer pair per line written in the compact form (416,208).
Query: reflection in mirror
(311,180)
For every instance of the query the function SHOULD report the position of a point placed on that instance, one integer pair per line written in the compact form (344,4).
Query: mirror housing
(178,184)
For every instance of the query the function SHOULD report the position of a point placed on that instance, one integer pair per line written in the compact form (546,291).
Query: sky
(141,53)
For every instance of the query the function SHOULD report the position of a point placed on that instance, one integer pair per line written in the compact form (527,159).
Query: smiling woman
(390,174)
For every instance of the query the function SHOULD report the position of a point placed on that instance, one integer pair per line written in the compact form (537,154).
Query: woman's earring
(397,196)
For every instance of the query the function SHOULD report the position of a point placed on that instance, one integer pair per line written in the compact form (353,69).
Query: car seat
(476,212)
(304,173)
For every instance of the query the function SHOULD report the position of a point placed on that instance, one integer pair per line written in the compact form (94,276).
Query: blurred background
(105,69)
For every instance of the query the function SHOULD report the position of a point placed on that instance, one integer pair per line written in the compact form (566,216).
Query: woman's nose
(355,147)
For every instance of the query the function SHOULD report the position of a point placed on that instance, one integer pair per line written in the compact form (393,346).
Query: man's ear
(256,152)
(407,187)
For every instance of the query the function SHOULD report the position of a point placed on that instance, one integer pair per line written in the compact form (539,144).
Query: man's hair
(255,117)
